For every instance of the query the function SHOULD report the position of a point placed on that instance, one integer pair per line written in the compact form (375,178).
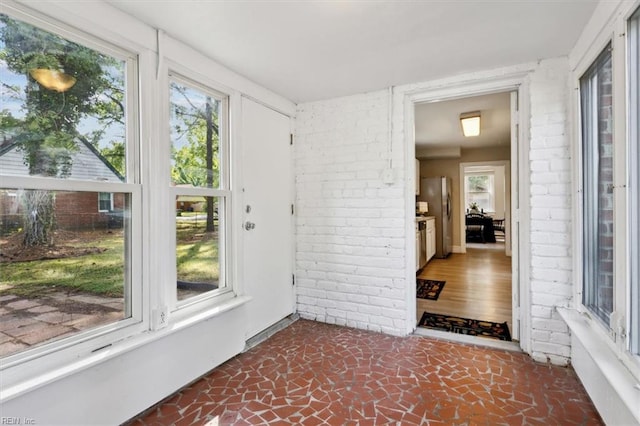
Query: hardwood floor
(478,284)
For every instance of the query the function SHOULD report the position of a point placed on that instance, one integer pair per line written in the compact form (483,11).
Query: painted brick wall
(550,211)
(350,259)
(350,234)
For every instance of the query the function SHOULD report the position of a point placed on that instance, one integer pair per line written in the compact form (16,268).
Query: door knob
(249,226)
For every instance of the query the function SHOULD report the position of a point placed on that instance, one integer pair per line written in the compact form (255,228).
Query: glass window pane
(598,200)
(479,192)
(195,137)
(63,107)
(63,265)
(199,239)
(105,201)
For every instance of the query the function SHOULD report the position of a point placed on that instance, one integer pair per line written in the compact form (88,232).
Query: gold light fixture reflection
(53,79)
(470,122)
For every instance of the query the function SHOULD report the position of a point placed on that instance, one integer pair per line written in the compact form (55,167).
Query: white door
(268,221)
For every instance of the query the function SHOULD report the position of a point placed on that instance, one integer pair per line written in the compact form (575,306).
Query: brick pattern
(350,234)
(74,211)
(550,211)
(349,224)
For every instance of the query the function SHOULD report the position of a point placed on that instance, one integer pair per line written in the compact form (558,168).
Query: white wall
(352,249)
(349,224)
(550,210)
(114,384)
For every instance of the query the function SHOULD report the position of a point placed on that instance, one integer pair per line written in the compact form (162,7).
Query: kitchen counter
(424,218)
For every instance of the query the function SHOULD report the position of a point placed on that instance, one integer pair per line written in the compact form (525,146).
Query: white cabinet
(431,238)
(417,177)
(418,248)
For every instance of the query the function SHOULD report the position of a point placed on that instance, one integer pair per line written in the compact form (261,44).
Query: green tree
(115,155)
(48,131)
(197,162)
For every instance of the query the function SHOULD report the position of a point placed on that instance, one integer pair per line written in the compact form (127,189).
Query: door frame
(515,82)
(244,216)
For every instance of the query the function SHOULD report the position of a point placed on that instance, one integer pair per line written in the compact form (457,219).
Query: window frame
(633,147)
(40,359)
(110,202)
(491,191)
(589,135)
(616,335)
(181,309)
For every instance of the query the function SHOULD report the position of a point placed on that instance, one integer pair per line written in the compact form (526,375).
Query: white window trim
(181,310)
(491,191)
(145,42)
(93,338)
(21,369)
(612,31)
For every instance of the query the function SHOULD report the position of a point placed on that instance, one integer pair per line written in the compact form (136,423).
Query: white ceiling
(438,123)
(308,50)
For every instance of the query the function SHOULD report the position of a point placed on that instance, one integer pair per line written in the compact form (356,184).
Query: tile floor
(313,373)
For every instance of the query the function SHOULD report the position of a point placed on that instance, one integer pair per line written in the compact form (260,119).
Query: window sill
(619,378)
(118,348)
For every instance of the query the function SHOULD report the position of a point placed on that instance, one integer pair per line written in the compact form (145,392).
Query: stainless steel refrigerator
(437,192)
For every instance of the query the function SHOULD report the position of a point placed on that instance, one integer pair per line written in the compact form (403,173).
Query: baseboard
(265,334)
(458,249)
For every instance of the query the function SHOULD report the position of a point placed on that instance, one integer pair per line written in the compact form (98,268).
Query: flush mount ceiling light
(470,122)
(53,79)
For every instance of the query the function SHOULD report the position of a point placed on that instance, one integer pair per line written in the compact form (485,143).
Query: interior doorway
(488,185)
(481,281)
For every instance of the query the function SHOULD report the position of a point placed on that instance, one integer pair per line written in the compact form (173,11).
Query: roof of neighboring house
(87,163)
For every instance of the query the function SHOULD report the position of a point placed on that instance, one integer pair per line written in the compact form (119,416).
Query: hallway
(478,284)
(313,373)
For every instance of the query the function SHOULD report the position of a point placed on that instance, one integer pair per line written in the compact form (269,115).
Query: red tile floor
(312,373)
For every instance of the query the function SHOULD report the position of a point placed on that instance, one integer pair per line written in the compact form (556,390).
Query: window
(200,184)
(634,178)
(105,202)
(67,271)
(479,191)
(597,186)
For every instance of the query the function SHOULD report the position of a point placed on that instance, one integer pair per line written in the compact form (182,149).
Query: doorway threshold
(470,340)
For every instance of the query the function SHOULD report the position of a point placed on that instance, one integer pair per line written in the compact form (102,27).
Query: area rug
(428,289)
(467,326)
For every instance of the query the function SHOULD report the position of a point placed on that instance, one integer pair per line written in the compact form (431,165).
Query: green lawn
(103,273)
(197,253)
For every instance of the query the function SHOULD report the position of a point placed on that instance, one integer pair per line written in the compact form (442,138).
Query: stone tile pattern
(313,373)
(30,322)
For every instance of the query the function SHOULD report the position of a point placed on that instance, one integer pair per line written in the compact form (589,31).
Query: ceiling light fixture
(53,79)
(470,122)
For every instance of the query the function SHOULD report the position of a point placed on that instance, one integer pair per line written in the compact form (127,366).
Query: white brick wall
(350,259)
(550,211)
